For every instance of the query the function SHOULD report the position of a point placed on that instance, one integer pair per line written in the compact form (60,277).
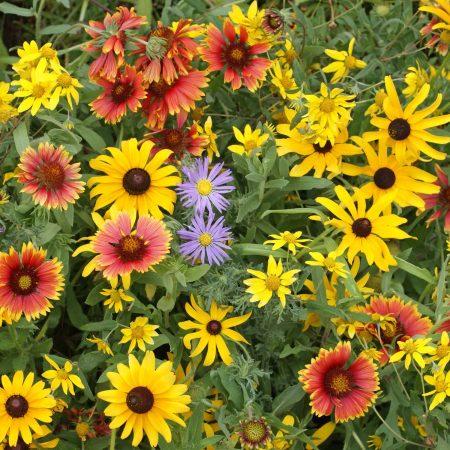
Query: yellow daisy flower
(266,284)
(377,106)
(144,398)
(211,149)
(283,80)
(5,97)
(115,298)
(345,61)
(140,332)
(279,442)
(211,328)
(62,377)
(441,383)
(287,55)
(22,405)
(66,86)
(375,441)
(412,349)
(251,141)
(405,130)
(344,327)
(31,52)
(5,316)
(135,180)
(328,262)
(292,240)
(389,175)
(7,112)
(102,346)
(252,22)
(441,353)
(364,229)
(329,111)
(415,78)
(36,441)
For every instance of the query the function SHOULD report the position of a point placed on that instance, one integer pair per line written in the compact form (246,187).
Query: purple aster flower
(205,240)
(205,189)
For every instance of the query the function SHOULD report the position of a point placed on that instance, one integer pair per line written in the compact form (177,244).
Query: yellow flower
(140,333)
(344,327)
(102,346)
(275,281)
(5,316)
(279,442)
(60,405)
(373,354)
(415,79)
(375,441)
(328,112)
(211,328)
(144,398)
(37,91)
(321,434)
(36,441)
(207,130)
(31,55)
(441,383)
(251,141)
(406,130)
(329,262)
(7,112)
(292,240)
(83,429)
(364,229)
(418,426)
(442,352)
(66,86)
(252,22)
(62,377)
(115,298)
(345,61)
(412,349)
(5,97)
(288,54)
(376,107)
(283,80)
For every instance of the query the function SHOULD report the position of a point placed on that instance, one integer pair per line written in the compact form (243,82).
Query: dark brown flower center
(175,140)
(214,327)
(24,281)
(158,88)
(136,181)
(384,178)
(399,129)
(121,92)
(19,446)
(325,149)
(338,382)
(237,55)
(131,248)
(140,400)
(444,197)
(51,176)
(16,406)
(362,227)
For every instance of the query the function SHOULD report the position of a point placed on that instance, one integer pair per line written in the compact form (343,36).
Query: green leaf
(9,8)
(307,183)
(91,137)
(74,310)
(289,397)
(94,297)
(293,211)
(103,325)
(418,272)
(20,136)
(50,231)
(258,250)
(145,8)
(56,29)
(195,273)
(166,303)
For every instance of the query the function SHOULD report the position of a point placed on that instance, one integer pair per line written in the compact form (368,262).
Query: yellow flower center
(250,145)
(442,351)
(115,297)
(82,429)
(137,332)
(205,239)
(38,91)
(290,55)
(350,62)
(410,347)
(445,37)
(289,237)
(237,54)
(338,382)
(286,82)
(273,282)
(61,374)
(441,385)
(48,53)
(329,263)
(204,187)
(24,282)
(327,105)
(64,80)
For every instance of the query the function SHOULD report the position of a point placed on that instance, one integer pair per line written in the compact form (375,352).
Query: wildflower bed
(224,225)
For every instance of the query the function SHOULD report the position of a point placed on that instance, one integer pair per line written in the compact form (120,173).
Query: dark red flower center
(24,281)
(174,139)
(121,92)
(140,400)
(51,176)
(338,382)
(384,178)
(325,149)
(136,181)
(214,327)
(16,406)
(158,88)
(19,446)
(399,129)
(362,227)
(237,55)
(131,248)
(444,197)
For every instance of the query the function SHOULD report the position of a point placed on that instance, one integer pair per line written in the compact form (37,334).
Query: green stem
(43,330)
(38,21)
(112,442)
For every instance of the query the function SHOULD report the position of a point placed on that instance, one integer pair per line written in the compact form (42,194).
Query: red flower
(232,52)
(168,51)
(178,97)
(440,200)
(110,37)
(349,391)
(125,91)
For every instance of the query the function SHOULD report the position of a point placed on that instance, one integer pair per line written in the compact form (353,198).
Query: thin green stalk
(38,21)
(112,442)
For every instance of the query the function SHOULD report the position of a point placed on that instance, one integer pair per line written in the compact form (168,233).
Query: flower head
(62,376)
(415,78)
(412,349)
(292,240)
(377,106)
(328,262)
(115,298)
(251,140)
(66,86)
(441,383)
(439,26)
(441,354)
(441,200)
(102,346)
(207,131)
(139,333)
(283,81)
(254,433)
(252,22)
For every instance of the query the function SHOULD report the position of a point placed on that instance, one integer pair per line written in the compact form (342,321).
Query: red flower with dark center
(440,201)
(125,92)
(232,52)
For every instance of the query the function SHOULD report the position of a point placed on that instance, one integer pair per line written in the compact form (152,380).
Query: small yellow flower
(60,405)
(66,86)
(102,346)
(415,79)
(6,317)
(442,352)
(251,141)
(252,22)
(279,442)
(373,354)
(377,106)
(292,240)
(31,55)
(418,426)
(7,111)
(140,332)
(283,80)
(212,149)
(5,97)
(329,262)
(345,61)
(375,441)
(441,383)
(83,429)
(412,349)
(115,298)
(275,281)
(344,327)
(287,55)
(62,377)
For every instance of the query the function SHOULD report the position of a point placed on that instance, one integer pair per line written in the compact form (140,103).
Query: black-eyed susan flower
(388,174)
(364,229)
(102,345)
(329,262)
(211,328)
(377,106)
(134,179)
(23,404)
(62,376)
(293,241)
(144,398)
(254,433)
(115,297)
(139,333)
(251,140)
(412,349)
(406,130)
(344,62)
(349,390)
(39,440)
(441,354)
(274,281)
(441,383)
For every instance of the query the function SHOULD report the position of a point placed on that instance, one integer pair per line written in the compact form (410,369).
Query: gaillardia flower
(144,398)
(441,200)
(211,328)
(28,282)
(254,433)
(349,391)
(123,245)
(134,180)
(48,175)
